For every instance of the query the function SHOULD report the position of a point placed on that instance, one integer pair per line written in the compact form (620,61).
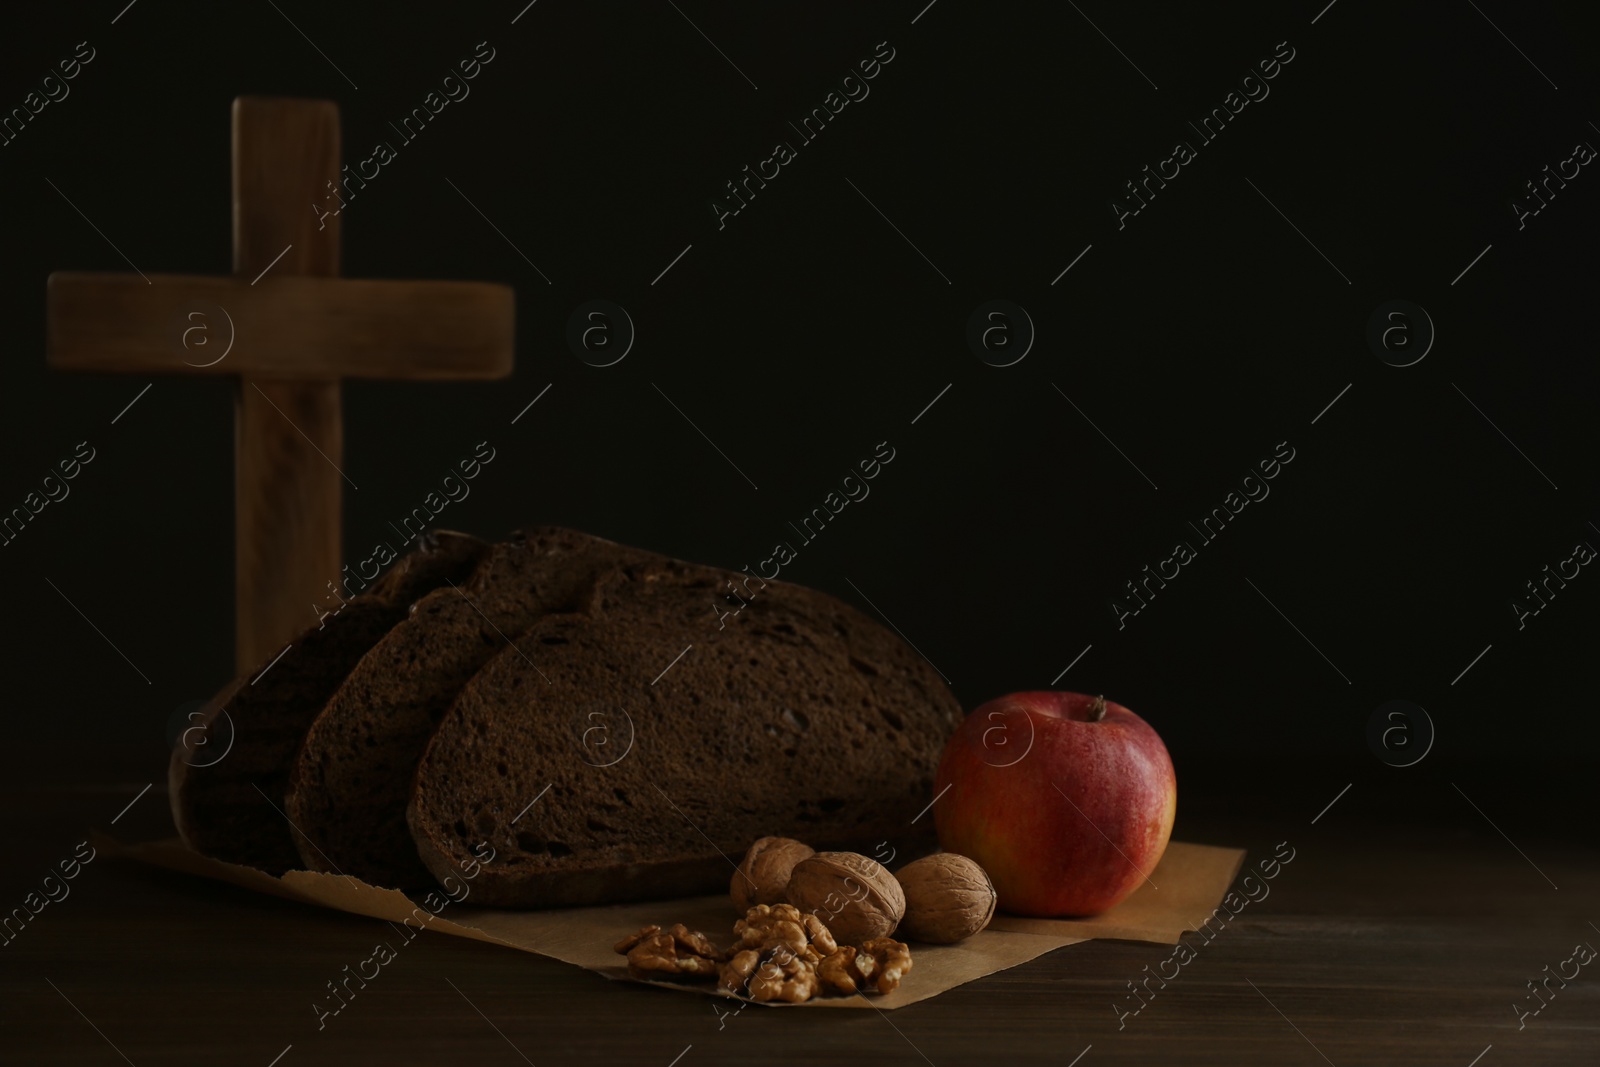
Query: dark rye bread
(352,777)
(801,717)
(228,808)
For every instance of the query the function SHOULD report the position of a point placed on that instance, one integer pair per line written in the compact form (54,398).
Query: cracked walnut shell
(856,897)
(948,898)
(763,874)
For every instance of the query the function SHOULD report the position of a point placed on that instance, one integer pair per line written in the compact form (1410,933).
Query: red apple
(1065,800)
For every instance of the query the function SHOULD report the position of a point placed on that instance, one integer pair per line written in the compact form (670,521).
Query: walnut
(680,951)
(763,875)
(948,898)
(875,967)
(857,898)
(771,974)
(782,925)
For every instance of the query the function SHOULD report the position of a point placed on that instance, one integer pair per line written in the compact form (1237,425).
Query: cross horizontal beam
(305,328)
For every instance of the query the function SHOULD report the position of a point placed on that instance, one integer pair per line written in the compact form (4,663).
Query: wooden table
(1380,944)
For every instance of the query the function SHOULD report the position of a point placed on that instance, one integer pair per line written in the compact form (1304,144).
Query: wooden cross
(296,330)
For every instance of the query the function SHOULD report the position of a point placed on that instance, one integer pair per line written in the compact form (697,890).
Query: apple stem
(1097,710)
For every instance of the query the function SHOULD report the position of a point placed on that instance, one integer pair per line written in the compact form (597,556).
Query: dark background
(808,330)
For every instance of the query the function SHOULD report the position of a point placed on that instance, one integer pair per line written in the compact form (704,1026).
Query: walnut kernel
(875,967)
(892,959)
(771,974)
(783,925)
(679,952)
(627,943)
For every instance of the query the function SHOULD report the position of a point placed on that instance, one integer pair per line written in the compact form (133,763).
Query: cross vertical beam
(290,441)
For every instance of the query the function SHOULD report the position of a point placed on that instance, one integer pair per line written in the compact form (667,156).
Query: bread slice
(352,777)
(798,717)
(229,806)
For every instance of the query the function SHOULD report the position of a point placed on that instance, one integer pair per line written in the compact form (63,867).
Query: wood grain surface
(1380,944)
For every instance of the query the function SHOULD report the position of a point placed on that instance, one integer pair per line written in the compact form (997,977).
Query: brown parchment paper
(1186,885)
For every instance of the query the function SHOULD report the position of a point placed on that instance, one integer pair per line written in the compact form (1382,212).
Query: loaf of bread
(231,806)
(799,717)
(352,778)
(615,724)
